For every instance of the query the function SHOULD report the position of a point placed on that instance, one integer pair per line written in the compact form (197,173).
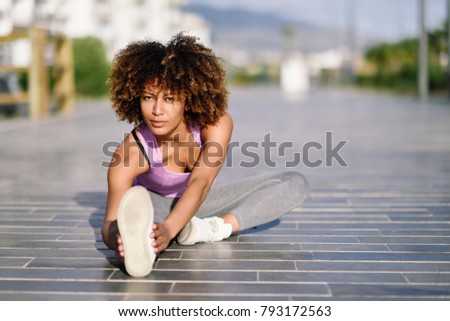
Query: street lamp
(423,52)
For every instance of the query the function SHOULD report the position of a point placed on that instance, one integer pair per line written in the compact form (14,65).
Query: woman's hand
(161,237)
(119,248)
(115,240)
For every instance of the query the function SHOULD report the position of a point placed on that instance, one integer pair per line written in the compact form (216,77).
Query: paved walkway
(376,229)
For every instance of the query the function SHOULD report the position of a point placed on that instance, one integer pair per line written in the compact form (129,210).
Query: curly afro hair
(186,68)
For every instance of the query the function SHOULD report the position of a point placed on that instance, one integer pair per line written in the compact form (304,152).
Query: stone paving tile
(300,219)
(346,247)
(47,230)
(29,236)
(405,240)
(339,232)
(74,263)
(333,277)
(420,219)
(225,265)
(189,276)
(297,239)
(97,218)
(31,296)
(372,266)
(168,254)
(379,291)
(236,246)
(259,288)
(81,237)
(6,212)
(54,274)
(440,210)
(429,232)
(409,211)
(58,245)
(435,278)
(56,254)
(9,216)
(208,297)
(247,255)
(95,286)
(12,261)
(377,256)
(37,223)
(376,225)
(309,232)
(421,248)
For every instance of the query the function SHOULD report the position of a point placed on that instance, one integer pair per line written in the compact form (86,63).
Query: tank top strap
(148,140)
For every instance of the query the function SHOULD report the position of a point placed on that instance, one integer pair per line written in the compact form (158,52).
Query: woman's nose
(158,107)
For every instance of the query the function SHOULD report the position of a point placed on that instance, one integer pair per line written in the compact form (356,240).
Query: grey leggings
(253,201)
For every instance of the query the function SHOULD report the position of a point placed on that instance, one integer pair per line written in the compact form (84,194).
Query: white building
(294,74)
(115,22)
(333,59)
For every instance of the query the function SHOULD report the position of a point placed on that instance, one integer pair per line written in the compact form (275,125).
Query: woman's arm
(124,167)
(208,165)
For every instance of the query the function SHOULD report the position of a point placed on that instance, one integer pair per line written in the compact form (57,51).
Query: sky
(381,19)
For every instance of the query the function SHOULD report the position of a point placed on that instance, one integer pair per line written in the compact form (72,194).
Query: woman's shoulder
(223,122)
(223,126)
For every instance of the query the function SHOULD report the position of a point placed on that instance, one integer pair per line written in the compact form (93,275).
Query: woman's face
(162,111)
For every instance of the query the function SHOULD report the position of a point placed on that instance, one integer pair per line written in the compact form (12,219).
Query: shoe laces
(214,225)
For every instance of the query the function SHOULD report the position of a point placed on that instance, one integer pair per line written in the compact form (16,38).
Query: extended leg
(245,204)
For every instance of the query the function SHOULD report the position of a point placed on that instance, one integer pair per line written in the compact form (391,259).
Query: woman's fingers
(161,237)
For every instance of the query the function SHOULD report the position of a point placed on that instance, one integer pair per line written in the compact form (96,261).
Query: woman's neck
(180,133)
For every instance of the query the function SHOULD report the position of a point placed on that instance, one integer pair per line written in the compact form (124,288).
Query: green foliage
(242,77)
(23,79)
(395,64)
(91,67)
(255,74)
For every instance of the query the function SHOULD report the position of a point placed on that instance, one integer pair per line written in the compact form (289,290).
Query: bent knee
(298,183)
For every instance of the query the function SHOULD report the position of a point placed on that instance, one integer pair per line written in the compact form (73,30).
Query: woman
(160,177)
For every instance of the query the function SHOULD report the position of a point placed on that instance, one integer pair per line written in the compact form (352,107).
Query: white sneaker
(210,229)
(135,220)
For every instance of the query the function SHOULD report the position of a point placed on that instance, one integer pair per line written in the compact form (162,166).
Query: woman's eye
(170,99)
(146,97)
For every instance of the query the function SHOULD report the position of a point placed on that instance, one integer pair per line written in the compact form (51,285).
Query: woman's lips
(157,123)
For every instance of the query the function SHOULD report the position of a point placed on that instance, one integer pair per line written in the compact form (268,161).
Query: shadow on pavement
(95,202)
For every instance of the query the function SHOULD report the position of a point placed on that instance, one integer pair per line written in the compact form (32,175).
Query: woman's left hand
(161,237)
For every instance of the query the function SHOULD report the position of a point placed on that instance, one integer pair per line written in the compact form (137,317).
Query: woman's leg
(161,206)
(256,201)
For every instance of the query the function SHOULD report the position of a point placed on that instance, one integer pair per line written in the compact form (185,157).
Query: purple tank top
(158,179)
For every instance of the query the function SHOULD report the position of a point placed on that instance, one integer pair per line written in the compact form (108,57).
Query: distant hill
(249,31)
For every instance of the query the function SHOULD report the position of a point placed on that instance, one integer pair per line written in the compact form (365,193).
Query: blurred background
(297,45)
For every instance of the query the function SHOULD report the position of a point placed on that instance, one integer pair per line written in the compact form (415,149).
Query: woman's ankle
(229,218)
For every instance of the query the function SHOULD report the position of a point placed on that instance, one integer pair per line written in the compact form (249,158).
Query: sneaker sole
(135,220)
